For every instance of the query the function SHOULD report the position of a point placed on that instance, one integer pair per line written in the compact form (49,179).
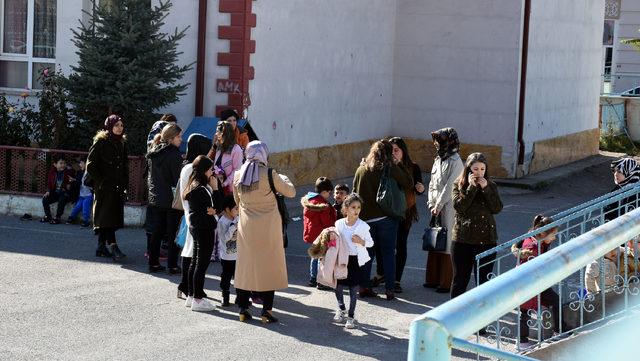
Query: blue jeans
(384,233)
(313,268)
(83,204)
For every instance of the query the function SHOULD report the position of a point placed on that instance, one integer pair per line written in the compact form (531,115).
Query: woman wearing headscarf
(197,144)
(261,265)
(446,168)
(108,167)
(625,171)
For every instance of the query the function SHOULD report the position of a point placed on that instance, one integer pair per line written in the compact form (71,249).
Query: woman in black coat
(108,169)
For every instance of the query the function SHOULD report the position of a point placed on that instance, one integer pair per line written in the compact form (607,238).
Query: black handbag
(282,208)
(435,236)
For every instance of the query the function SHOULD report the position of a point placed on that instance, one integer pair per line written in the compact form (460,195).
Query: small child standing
(530,248)
(340,192)
(85,198)
(227,234)
(318,214)
(354,232)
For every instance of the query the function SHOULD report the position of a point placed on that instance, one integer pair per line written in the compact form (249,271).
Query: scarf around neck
(256,154)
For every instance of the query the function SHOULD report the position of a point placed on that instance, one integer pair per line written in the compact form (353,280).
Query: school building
(320,80)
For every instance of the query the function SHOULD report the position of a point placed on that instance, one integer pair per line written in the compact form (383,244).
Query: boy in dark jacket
(339,194)
(58,186)
(318,214)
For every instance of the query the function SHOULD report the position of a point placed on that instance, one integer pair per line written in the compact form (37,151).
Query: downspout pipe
(200,57)
(523,79)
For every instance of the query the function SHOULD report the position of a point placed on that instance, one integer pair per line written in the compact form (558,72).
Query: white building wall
(323,72)
(626,59)
(564,68)
(457,65)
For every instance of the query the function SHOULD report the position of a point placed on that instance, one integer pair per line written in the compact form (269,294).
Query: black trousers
(106,235)
(550,299)
(242,299)
(202,249)
(166,222)
(184,282)
(228,270)
(463,258)
(57,196)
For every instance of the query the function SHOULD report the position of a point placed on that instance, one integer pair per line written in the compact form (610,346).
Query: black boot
(115,252)
(225,299)
(102,250)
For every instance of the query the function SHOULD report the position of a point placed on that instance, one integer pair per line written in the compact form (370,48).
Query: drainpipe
(200,57)
(523,80)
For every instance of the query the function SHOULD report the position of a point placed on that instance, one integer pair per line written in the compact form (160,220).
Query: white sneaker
(189,301)
(340,316)
(202,305)
(351,323)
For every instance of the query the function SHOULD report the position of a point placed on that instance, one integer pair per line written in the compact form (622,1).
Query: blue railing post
(432,341)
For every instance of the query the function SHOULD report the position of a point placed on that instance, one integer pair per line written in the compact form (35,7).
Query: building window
(28,40)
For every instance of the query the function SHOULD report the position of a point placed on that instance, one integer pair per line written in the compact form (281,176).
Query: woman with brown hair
(476,201)
(227,156)
(446,168)
(384,229)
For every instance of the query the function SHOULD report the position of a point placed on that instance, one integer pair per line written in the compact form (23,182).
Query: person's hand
(434,211)
(482,182)
(357,239)
(472,180)
(71,179)
(419,187)
(211,211)
(363,161)
(213,183)
(46,194)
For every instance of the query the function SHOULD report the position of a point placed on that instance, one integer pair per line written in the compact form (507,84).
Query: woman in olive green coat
(476,201)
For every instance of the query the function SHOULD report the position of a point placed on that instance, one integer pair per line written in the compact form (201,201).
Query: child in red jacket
(58,186)
(318,214)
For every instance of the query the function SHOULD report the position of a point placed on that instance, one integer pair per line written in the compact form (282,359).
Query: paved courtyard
(59,302)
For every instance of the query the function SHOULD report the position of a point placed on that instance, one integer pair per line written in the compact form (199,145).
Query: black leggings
(106,235)
(165,224)
(228,269)
(550,299)
(184,283)
(202,249)
(242,299)
(353,298)
(463,258)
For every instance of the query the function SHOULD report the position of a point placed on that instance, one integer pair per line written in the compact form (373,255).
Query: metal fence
(582,238)
(24,171)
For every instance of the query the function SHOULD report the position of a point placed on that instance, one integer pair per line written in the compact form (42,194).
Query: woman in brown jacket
(475,200)
(261,266)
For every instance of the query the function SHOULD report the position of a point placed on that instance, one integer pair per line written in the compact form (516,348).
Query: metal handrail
(433,334)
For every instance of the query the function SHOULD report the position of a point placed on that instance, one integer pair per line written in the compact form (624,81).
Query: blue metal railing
(433,334)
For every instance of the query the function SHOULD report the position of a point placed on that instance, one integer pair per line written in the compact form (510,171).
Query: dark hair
(197,144)
(323,184)
(169,118)
(227,113)
(342,187)
(540,221)
(58,157)
(380,155)
(198,177)
(463,179)
(228,138)
(228,202)
(406,159)
(353,197)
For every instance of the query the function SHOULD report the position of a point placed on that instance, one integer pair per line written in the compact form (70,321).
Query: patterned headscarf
(256,154)
(155,129)
(629,168)
(109,123)
(448,142)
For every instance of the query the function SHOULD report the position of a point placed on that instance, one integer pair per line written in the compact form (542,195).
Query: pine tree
(127,66)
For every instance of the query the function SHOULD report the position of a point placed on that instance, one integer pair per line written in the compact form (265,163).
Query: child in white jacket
(227,234)
(354,232)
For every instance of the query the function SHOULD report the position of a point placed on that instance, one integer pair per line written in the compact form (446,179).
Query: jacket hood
(104,135)
(160,150)
(314,202)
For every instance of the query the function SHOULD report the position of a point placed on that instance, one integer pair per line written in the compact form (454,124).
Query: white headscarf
(256,155)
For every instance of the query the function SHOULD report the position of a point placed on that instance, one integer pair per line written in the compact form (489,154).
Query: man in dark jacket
(58,186)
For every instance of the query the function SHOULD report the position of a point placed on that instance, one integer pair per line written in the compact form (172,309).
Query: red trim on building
(238,59)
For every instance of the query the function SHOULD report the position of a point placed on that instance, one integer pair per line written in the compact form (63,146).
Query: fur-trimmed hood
(314,202)
(104,135)
(319,247)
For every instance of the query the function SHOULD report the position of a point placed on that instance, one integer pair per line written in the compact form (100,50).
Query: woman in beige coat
(446,168)
(261,265)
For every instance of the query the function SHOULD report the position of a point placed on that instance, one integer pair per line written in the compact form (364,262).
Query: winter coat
(366,183)
(164,163)
(108,167)
(185,173)
(317,215)
(242,137)
(229,163)
(361,230)
(333,266)
(411,215)
(475,207)
(261,265)
(531,244)
(616,209)
(592,275)
(443,176)
(199,200)
(67,174)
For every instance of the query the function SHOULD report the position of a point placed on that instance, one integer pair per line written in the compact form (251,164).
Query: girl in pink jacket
(226,155)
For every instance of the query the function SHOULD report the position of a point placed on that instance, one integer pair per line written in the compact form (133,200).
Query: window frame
(28,56)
